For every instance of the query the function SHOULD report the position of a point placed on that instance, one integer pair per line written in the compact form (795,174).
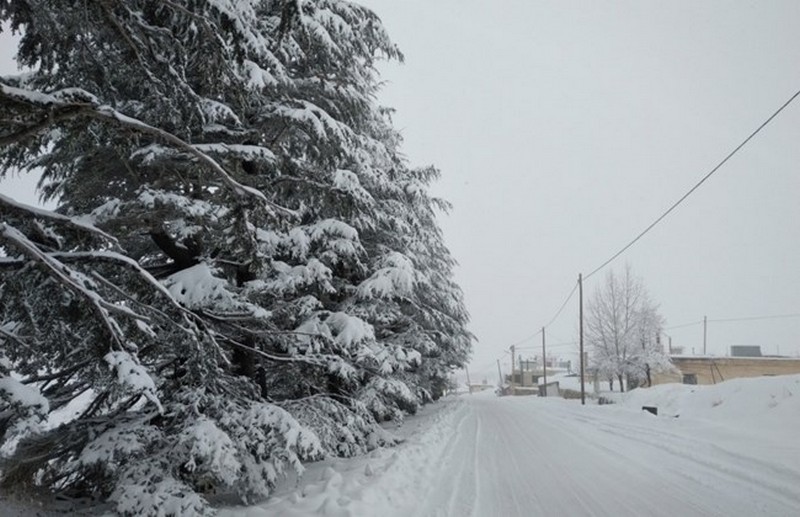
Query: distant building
(476,388)
(745,351)
(524,378)
(745,361)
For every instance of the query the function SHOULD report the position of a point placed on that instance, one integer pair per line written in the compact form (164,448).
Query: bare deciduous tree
(622,329)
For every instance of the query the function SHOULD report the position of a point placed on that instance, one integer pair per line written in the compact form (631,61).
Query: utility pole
(500,374)
(469,384)
(705,333)
(512,369)
(580,317)
(544,364)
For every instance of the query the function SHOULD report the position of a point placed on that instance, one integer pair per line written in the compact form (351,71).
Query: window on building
(690,378)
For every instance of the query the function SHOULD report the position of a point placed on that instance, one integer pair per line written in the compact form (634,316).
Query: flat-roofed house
(743,362)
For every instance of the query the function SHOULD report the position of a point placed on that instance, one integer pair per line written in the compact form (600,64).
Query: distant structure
(483,386)
(526,375)
(745,351)
(745,361)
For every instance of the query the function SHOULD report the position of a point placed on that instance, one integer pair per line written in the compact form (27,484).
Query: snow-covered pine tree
(242,273)
(412,295)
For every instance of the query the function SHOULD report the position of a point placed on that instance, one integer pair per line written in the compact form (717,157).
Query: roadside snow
(756,403)
(386,481)
(729,449)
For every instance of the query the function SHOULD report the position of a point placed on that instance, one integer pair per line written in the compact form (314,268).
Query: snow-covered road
(487,456)
(511,457)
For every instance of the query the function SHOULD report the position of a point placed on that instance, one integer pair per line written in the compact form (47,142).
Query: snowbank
(387,481)
(756,403)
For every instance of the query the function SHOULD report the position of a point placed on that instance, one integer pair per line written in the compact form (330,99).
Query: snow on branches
(242,274)
(622,329)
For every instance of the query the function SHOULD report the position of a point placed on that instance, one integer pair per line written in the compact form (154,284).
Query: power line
(554,345)
(560,310)
(743,318)
(695,187)
(554,318)
(682,325)
(524,340)
(560,340)
(658,220)
(752,318)
(566,343)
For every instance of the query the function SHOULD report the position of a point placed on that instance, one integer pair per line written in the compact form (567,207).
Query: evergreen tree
(242,273)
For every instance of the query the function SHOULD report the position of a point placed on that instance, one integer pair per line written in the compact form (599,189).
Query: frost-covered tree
(622,329)
(242,273)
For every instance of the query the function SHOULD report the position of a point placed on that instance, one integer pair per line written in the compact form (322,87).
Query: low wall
(711,370)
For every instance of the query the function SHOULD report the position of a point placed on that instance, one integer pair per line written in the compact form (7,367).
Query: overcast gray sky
(564,128)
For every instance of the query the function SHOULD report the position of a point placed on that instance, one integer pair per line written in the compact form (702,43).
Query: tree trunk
(621,384)
(633,382)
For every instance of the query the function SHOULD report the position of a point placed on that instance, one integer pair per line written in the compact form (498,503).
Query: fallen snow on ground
(384,481)
(729,449)
(755,403)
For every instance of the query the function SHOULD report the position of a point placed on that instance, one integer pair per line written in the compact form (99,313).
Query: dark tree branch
(183,257)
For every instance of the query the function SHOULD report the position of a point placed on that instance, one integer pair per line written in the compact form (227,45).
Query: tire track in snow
(556,486)
(766,479)
(549,462)
(484,456)
(427,475)
(454,484)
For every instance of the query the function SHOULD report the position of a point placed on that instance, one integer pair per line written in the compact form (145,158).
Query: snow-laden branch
(110,256)
(190,318)
(9,204)
(5,334)
(328,361)
(67,277)
(89,107)
(102,256)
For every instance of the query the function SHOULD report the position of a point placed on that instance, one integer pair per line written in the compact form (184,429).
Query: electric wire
(558,339)
(563,305)
(753,318)
(695,187)
(682,325)
(743,318)
(552,320)
(549,346)
(526,339)
(657,221)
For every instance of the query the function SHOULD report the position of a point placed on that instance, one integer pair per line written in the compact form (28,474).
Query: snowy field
(729,449)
